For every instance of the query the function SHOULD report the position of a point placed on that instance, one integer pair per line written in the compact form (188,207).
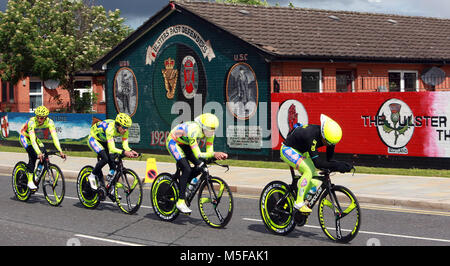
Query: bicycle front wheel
(20,181)
(276,206)
(339,214)
(53,185)
(128,192)
(215,202)
(164,196)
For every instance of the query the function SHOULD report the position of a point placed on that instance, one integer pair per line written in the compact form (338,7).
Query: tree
(55,39)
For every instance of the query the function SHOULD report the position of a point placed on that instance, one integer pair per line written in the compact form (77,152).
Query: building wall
(143,70)
(55,99)
(368,77)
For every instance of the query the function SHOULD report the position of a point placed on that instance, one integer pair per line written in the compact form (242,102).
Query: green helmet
(331,131)
(41,111)
(123,120)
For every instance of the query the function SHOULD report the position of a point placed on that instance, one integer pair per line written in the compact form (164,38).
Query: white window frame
(402,78)
(89,90)
(312,70)
(41,93)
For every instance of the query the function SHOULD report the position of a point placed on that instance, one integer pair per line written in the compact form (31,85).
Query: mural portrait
(125,91)
(242,91)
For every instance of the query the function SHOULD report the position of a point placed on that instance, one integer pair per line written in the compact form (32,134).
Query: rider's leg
(177,152)
(32,157)
(306,167)
(103,157)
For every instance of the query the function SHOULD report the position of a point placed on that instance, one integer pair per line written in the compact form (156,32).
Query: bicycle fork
(336,209)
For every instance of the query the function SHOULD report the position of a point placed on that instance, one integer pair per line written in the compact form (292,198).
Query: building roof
(285,33)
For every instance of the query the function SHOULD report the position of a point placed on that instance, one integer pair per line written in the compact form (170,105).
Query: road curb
(256,191)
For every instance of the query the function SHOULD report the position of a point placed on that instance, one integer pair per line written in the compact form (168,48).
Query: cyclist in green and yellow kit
(33,145)
(299,150)
(182,144)
(101,141)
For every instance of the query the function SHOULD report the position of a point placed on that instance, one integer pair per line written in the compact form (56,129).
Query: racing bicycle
(215,200)
(125,188)
(51,177)
(339,212)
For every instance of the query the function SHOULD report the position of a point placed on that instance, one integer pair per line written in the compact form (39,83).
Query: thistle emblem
(397,126)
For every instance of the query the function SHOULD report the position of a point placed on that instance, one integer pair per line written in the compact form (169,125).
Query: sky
(137,12)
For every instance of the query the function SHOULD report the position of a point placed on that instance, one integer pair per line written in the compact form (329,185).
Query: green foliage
(54,39)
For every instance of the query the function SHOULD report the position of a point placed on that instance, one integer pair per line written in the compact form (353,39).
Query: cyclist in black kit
(299,150)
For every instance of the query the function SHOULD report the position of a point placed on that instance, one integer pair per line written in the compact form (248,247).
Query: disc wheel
(88,197)
(20,181)
(277,207)
(164,196)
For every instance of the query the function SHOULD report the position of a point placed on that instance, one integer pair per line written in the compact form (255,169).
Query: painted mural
(242,91)
(71,128)
(402,124)
(125,91)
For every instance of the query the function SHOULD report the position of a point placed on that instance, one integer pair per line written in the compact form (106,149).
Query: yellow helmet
(123,120)
(207,121)
(41,111)
(331,131)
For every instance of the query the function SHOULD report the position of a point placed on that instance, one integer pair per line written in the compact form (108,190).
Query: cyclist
(182,144)
(299,150)
(33,145)
(101,141)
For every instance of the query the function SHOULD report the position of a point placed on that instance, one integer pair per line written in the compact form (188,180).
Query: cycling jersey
(189,133)
(105,131)
(28,135)
(308,138)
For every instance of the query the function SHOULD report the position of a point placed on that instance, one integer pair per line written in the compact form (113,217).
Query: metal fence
(391,83)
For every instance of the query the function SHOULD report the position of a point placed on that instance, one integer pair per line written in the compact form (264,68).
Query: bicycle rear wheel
(20,181)
(164,196)
(215,202)
(88,197)
(339,214)
(128,192)
(53,185)
(276,206)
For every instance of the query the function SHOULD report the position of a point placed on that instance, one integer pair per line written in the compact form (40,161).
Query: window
(311,80)
(344,81)
(11,93)
(4,89)
(83,88)
(35,94)
(403,81)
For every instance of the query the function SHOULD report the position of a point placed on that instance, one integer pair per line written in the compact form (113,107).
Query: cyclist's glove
(344,167)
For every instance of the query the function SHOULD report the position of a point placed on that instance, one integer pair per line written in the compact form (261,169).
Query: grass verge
(268,164)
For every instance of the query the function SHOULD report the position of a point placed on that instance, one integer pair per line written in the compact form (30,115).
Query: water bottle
(39,170)
(110,176)
(191,186)
(311,193)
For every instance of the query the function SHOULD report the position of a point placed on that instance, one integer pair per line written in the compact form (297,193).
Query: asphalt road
(37,223)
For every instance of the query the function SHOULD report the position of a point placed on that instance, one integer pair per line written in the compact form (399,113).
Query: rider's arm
(109,132)
(52,129)
(125,141)
(318,162)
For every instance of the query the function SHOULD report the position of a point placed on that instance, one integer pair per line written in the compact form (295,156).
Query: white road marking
(371,233)
(108,240)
